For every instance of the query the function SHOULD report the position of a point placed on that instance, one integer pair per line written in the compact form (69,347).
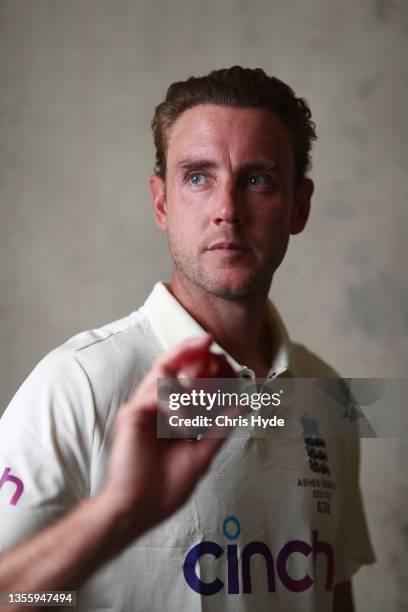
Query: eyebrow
(261,166)
(196,164)
(250,166)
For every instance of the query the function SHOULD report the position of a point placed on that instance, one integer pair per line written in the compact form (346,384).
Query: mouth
(232,247)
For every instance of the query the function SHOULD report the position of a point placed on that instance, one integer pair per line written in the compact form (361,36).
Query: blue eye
(257,179)
(196,178)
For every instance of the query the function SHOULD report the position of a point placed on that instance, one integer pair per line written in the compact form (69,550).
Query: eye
(256,180)
(196,178)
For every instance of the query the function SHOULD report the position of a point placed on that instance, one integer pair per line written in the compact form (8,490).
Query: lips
(228,246)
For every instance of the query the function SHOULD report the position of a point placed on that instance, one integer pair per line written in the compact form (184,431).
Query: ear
(301,206)
(158,193)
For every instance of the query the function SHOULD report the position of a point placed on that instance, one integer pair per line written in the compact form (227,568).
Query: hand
(149,478)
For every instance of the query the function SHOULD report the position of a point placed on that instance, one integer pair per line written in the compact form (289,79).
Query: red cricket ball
(207,365)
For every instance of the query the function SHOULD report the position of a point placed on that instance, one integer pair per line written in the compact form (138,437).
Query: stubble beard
(256,280)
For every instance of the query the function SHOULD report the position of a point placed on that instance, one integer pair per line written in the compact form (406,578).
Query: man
(230,187)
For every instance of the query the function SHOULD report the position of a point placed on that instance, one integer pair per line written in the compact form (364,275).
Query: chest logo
(5,478)
(235,564)
(315,445)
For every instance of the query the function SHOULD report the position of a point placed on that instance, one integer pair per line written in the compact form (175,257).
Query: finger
(202,453)
(168,364)
(206,449)
(183,353)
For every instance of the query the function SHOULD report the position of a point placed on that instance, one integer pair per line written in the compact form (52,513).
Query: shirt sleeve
(353,545)
(45,447)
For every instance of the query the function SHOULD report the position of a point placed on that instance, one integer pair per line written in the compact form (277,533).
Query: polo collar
(173,324)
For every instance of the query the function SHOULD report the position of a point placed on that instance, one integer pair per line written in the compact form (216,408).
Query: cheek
(275,218)
(184,221)
(181,233)
(185,212)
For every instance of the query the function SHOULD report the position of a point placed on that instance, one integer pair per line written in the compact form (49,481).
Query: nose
(226,206)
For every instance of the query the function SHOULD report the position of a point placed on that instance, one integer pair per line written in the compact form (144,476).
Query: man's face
(229,202)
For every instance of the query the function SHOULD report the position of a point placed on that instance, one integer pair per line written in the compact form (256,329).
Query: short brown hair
(240,87)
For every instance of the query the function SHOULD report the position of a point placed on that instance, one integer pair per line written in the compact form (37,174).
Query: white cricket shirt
(250,538)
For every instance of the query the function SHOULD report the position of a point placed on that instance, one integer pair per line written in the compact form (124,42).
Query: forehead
(241,134)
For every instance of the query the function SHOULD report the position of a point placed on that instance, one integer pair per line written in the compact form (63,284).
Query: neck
(238,326)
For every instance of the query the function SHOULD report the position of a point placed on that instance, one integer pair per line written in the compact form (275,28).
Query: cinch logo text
(239,579)
(18,484)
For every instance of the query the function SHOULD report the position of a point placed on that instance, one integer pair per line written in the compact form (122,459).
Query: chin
(227,283)
(234,289)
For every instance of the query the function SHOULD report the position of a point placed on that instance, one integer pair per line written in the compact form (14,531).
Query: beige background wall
(78,246)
